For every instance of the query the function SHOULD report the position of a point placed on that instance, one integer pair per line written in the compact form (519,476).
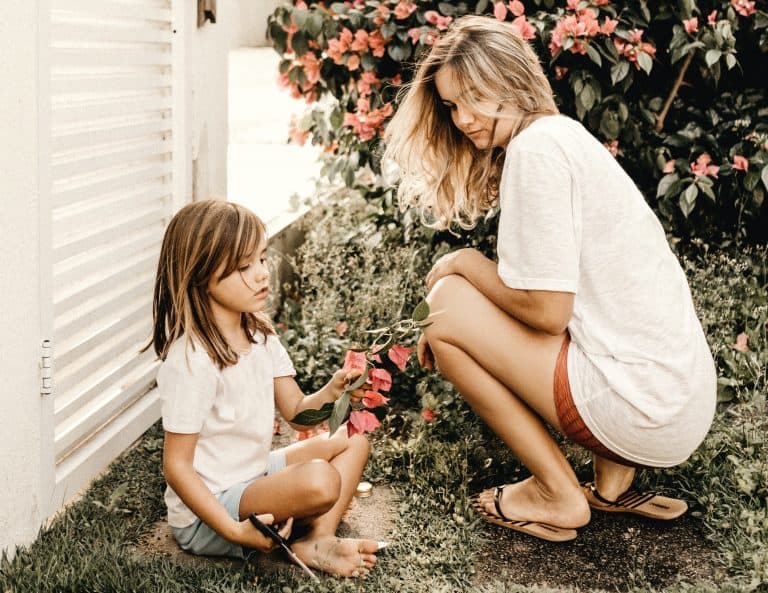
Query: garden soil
(613,552)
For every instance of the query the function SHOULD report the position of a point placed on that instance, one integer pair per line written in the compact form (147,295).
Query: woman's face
(476,126)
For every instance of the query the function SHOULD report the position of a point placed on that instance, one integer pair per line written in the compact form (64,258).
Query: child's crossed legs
(316,486)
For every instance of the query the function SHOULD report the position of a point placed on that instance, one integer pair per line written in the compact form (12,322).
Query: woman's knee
(359,444)
(321,483)
(447,301)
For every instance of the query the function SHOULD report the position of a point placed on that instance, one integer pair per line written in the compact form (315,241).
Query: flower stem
(673,93)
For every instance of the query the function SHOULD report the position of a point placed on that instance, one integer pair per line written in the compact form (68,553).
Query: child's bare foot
(334,555)
(529,501)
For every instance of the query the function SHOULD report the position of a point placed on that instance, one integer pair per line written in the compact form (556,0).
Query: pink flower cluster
(744,7)
(517,8)
(430,34)
(634,47)
(365,122)
(580,28)
(740,163)
(703,168)
(361,421)
(404,9)
(359,43)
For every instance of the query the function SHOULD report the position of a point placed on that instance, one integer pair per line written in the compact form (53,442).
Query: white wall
(26,427)
(253,21)
(24,477)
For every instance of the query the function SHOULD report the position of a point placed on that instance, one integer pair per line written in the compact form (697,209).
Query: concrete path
(263,171)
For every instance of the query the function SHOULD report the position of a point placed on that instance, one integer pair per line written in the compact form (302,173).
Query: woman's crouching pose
(585,323)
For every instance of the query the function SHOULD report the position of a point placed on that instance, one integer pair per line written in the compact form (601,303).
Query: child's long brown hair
(201,237)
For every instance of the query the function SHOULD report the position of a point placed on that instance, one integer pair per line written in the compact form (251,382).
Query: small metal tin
(364,490)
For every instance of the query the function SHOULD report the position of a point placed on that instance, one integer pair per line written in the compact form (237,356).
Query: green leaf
(665,184)
(399,53)
(359,382)
(730,61)
(688,199)
(751,180)
(587,97)
(706,189)
(312,417)
(764,176)
(712,56)
(420,312)
(482,5)
(645,62)
(594,55)
(619,72)
(447,8)
(300,43)
(340,411)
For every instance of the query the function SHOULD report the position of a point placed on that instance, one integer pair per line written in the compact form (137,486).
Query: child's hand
(250,537)
(341,379)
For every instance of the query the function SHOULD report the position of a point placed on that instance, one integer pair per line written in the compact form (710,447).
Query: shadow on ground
(613,552)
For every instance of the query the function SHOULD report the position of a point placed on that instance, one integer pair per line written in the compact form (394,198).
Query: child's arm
(178,453)
(290,400)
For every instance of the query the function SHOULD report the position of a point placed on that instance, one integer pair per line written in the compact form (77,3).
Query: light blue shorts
(200,539)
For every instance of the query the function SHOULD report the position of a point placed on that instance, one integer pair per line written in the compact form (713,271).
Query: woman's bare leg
(318,483)
(505,371)
(611,479)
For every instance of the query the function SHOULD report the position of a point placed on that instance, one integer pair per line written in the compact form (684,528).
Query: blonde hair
(441,171)
(199,239)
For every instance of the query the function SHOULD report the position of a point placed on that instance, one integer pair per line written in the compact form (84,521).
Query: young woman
(585,323)
(222,374)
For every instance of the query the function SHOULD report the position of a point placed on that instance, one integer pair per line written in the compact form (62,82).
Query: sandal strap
(497,493)
(600,497)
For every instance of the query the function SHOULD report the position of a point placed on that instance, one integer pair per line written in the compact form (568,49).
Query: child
(222,374)
(585,323)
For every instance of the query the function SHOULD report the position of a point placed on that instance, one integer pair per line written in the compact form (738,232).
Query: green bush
(676,90)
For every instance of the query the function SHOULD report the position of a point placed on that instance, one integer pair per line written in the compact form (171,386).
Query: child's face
(246,289)
(482,130)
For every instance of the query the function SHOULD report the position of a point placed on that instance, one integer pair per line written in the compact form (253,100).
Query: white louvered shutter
(111,164)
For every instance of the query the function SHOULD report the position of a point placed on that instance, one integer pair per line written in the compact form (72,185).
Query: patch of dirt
(612,552)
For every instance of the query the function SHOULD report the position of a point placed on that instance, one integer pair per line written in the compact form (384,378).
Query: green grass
(90,547)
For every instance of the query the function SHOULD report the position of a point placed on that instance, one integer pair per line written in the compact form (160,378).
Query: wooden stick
(673,93)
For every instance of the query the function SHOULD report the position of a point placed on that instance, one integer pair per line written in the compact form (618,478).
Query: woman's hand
(247,535)
(424,354)
(450,263)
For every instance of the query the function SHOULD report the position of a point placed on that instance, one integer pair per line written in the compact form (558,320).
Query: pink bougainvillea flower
(702,167)
(669,166)
(377,43)
(500,11)
(380,379)
(691,25)
(741,343)
(346,37)
(415,34)
(382,14)
(335,51)
(572,5)
(612,146)
(373,399)
(429,414)
(360,42)
(311,67)
(744,7)
(399,355)
(296,135)
(517,8)
(341,328)
(363,105)
(609,26)
(368,80)
(601,2)
(438,20)
(353,62)
(354,361)
(560,72)
(712,18)
(524,28)
(430,38)
(361,421)
(404,9)
(301,5)
(740,163)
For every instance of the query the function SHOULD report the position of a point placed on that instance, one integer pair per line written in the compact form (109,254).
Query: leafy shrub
(647,78)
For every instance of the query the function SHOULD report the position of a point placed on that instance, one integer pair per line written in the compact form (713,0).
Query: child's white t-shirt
(572,220)
(232,411)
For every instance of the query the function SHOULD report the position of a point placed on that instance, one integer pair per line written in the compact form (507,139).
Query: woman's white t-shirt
(572,220)
(232,411)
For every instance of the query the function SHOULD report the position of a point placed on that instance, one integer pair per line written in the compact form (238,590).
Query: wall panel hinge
(46,368)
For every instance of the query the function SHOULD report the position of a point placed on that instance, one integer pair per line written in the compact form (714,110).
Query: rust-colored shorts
(570,420)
